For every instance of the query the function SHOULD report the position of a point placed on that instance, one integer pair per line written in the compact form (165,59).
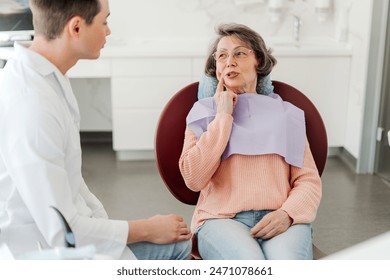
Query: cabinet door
(140,88)
(198,66)
(145,92)
(325,81)
(100,68)
(137,103)
(134,129)
(151,67)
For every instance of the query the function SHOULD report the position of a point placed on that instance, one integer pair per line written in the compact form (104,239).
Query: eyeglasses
(240,53)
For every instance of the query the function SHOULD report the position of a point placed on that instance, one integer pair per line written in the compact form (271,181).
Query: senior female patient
(249,157)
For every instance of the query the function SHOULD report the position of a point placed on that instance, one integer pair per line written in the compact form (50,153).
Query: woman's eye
(222,55)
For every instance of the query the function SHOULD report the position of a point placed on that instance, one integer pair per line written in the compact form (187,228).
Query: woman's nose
(231,61)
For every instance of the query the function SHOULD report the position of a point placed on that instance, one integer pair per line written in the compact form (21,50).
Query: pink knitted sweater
(243,182)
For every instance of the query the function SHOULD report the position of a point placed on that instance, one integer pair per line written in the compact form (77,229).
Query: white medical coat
(40,164)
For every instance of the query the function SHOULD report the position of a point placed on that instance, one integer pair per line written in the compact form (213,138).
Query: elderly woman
(248,155)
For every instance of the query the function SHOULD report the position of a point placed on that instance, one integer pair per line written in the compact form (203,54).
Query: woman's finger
(220,86)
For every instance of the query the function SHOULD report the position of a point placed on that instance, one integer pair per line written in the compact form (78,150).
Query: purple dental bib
(261,125)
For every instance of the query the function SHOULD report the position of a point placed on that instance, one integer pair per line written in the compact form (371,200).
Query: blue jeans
(172,251)
(229,239)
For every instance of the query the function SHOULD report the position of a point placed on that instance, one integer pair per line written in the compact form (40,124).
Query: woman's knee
(227,239)
(182,250)
(294,244)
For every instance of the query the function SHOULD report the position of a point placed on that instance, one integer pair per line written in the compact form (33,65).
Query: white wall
(197,18)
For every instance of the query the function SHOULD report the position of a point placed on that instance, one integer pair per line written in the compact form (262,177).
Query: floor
(354,207)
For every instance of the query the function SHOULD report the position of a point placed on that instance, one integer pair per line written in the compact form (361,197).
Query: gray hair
(249,36)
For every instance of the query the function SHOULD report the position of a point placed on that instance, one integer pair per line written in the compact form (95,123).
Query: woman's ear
(258,62)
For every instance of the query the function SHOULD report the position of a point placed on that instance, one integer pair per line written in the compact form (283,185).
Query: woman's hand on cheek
(225,99)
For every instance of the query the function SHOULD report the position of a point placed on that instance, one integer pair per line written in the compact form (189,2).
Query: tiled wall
(197,18)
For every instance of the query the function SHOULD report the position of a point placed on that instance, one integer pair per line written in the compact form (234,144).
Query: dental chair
(169,140)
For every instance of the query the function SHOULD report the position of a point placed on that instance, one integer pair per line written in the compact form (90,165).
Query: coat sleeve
(93,202)
(34,149)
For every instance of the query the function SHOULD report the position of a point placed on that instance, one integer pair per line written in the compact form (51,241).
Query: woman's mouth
(232,74)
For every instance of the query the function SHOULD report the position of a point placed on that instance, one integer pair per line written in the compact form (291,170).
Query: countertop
(173,47)
(168,47)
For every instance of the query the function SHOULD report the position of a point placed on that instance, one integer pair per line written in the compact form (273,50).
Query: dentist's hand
(159,229)
(225,99)
(272,224)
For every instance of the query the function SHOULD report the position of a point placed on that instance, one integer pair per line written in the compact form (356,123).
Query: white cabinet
(198,65)
(325,81)
(140,87)
(100,68)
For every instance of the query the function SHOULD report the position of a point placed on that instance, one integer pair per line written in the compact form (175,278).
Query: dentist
(40,154)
